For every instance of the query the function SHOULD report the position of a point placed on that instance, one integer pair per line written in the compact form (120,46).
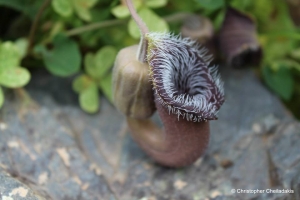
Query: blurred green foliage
(81,38)
(12,75)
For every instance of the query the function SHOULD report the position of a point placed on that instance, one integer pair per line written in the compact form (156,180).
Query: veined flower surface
(182,79)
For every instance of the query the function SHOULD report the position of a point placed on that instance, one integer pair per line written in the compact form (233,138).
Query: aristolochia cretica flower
(187,92)
(182,79)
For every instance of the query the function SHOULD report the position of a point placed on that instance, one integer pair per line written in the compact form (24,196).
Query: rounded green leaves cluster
(97,75)
(66,8)
(12,75)
(64,59)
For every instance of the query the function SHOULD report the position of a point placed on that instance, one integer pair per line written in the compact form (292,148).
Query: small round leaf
(280,81)
(63,7)
(64,59)
(120,11)
(22,44)
(106,87)
(97,65)
(89,99)
(89,64)
(9,56)
(14,77)
(81,83)
(296,54)
(104,59)
(82,8)
(156,3)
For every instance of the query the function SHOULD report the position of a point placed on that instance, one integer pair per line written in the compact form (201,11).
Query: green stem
(94,26)
(143,46)
(138,20)
(35,25)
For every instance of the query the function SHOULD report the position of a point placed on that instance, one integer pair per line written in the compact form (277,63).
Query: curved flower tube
(178,144)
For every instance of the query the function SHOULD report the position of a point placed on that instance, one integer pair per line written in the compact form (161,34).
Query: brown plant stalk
(35,24)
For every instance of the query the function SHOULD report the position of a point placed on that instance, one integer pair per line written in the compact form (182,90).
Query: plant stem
(94,26)
(142,26)
(142,51)
(35,25)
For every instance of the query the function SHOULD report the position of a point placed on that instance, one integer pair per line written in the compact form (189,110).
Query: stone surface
(50,149)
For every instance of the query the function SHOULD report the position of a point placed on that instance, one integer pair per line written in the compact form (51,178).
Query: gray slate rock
(54,150)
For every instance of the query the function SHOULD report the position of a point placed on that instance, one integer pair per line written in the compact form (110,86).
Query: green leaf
(280,81)
(218,20)
(63,7)
(89,64)
(266,5)
(9,56)
(57,27)
(156,3)
(1,97)
(153,21)
(104,59)
(275,47)
(89,99)
(82,8)
(14,77)
(64,59)
(120,11)
(97,65)
(83,13)
(22,45)
(286,62)
(295,54)
(280,19)
(106,86)
(241,5)
(81,83)
(211,4)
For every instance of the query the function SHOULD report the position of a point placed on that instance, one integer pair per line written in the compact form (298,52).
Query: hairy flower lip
(182,78)
(182,109)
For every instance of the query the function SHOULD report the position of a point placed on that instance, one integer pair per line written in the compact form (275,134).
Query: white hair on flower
(182,78)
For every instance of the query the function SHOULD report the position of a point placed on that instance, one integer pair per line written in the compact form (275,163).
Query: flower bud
(198,28)
(238,39)
(132,90)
